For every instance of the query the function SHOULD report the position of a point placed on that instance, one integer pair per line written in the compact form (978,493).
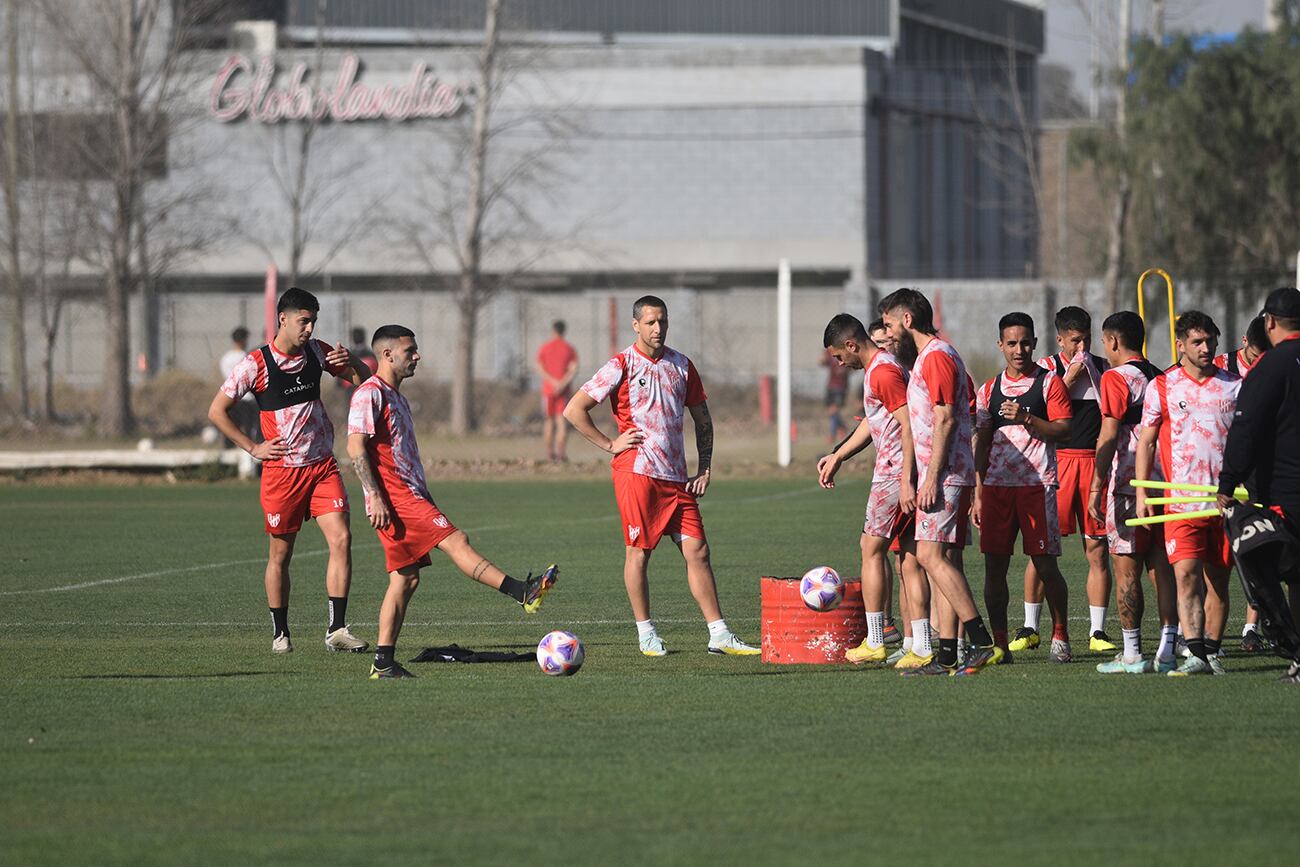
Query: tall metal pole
(783,369)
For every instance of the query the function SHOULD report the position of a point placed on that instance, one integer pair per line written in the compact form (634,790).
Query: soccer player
(557,364)
(650,387)
(1189,411)
(1111,498)
(1253,344)
(893,492)
(938,407)
(879,335)
(300,478)
(386,457)
(1020,415)
(1081,371)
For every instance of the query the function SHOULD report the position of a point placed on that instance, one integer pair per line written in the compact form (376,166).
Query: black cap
(1283,303)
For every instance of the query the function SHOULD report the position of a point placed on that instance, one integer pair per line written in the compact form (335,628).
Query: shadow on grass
(155,676)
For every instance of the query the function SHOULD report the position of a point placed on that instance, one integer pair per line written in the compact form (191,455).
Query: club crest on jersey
(641,382)
(1182,404)
(273,519)
(632,533)
(441,522)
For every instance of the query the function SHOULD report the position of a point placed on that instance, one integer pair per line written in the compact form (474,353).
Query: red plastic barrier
(794,633)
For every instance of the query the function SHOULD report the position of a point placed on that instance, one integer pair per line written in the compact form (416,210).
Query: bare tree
(476,207)
(1123,187)
(14,227)
(133,58)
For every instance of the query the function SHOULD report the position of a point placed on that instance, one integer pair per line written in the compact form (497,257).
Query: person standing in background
(557,363)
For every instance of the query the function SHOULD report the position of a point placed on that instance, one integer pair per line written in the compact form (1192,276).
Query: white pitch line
(139,624)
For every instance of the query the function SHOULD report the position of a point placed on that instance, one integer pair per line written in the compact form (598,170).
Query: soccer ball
(560,653)
(822,589)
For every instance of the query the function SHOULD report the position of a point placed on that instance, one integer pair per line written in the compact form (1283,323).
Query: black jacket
(1265,434)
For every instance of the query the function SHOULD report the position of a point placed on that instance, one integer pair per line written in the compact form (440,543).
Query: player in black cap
(1266,430)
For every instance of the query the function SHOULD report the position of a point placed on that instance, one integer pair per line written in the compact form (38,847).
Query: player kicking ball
(1188,411)
(650,388)
(384,453)
(1020,414)
(300,477)
(893,492)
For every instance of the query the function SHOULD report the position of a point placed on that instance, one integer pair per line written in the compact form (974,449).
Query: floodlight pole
(783,363)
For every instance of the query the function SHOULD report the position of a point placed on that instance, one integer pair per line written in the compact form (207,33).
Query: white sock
(1132,644)
(645,629)
(907,643)
(1032,612)
(1247,629)
(921,637)
(1097,613)
(718,630)
(875,628)
(1168,640)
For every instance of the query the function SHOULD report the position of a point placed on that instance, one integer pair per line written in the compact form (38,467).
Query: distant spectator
(245,410)
(837,386)
(361,351)
(557,362)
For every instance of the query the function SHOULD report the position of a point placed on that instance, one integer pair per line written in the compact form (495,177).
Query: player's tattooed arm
(703,435)
(376,509)
(366,473)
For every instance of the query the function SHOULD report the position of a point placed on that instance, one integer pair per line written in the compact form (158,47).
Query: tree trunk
(17,325)
(463,417)
(48,411)
(1119,207)
(115,410)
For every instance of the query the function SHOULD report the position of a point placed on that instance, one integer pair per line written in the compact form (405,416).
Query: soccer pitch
(145,719)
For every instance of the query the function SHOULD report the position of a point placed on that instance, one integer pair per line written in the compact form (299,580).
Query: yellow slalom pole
(1179,501)
(1169,291)
(1172,516)
(1183,486)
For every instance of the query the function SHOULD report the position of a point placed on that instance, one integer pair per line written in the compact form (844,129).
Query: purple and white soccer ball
(560,653)
(822,589)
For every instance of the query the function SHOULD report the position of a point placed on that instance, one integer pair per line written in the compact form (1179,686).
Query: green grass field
(144,719)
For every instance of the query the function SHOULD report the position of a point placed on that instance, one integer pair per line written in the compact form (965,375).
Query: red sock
(1000,638)
(1060,632)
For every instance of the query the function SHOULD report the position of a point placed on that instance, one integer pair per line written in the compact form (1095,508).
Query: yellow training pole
(1183,486)
(1173,516)
(1172,501)
(1169,289)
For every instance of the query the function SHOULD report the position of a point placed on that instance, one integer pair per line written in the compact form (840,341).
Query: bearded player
(300,478)
(938,406)
(651,387)
(1123,391)
(384,453)
(1188,414)
(1020,415)
(893,493)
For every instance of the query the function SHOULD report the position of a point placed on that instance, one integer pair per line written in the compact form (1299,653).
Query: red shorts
(1029,510)
(291,495)
(1198,539)
(1074,471)
(418,527)
(884,518)
(553,404)
(650,508)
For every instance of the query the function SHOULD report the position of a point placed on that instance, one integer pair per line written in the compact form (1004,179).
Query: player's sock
(1247,629)
(1168,642)
(514,588)
(644,629)
(1061,631)
(921,645)
(1000,638)
(875,628)
(338,612)
(907,643)
(1033,610)
(280,621)
(1197,647)
(718,630)
(1097,614)
(1212,646)
(384,655)
(977,633)
(1132,643)
(947,652)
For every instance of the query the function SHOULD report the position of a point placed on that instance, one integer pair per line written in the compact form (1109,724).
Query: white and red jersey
(651,395)
(939,378)
(1123,392)
(381,413)
(1017,458)
(1193,419)
(1235,362)
(884,390)
(305,428)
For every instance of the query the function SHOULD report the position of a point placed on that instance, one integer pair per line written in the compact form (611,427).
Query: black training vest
(1133,415)
(1234,366)
(289,389)
(1085,413)
(1033,401)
